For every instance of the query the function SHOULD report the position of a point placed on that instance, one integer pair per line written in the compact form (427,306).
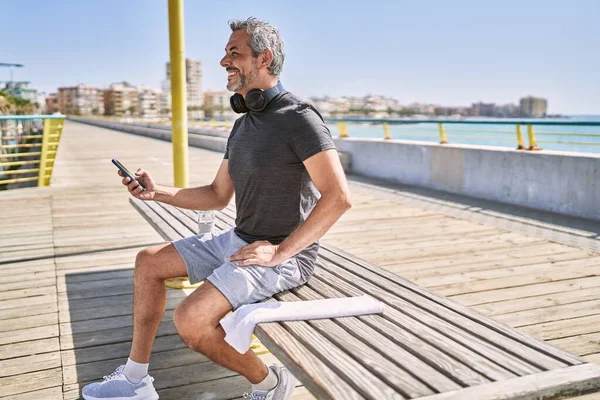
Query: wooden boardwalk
(67,252)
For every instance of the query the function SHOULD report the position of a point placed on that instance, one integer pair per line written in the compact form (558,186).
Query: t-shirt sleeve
(310,135)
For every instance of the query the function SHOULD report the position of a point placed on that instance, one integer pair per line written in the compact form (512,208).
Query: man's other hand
(261,253)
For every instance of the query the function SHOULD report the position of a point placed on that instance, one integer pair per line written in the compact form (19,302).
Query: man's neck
(268,84)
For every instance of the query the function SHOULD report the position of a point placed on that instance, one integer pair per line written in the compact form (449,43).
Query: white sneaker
(283,391)
(116,387)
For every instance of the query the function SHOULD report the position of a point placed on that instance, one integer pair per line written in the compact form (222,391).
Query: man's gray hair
(263,36)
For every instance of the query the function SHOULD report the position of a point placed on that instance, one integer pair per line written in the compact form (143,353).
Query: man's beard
(243,81)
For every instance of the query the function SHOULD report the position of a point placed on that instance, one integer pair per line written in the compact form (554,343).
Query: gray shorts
(206,257)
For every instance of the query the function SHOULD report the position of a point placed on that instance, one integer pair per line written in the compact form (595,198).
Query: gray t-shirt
(273,191)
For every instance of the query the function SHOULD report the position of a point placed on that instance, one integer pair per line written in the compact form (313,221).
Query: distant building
(216,104)
(149,102)
(121,99)
(21,90)
(193,79)
(484,109)
(533,107)
(80,100)
(51,104)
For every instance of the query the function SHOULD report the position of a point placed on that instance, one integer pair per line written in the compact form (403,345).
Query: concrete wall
(561,182)
(211,139)
(205,138)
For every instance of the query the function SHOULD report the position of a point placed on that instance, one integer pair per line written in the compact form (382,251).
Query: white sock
(269,382)
(134,371)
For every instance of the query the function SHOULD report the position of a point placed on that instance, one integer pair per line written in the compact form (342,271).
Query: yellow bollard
(520,144)
(213,123)
(443,138)
(342,129)
(386,131)
(178,93)
(44,151)
(532,143)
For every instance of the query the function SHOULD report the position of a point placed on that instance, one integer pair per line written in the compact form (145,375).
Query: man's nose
(225,61)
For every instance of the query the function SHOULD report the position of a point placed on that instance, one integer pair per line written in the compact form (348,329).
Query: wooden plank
(471,315)
(370,356)
(117,335)
(571,270)
(187,219)
(154,220)
(28,292)
(304,365)
(20,284)
(32,363)
(50,393)
(83,372)
(96,324)
(580,344)
(494,268)
(20,323)
(564,328)
(83,355)
(109,311)
(12,385)
(452,353)
(567,285)
(27,311)
(24,335)
(552,313)
(13,350)
(173,222)
(539,301)
(558,383)
(517,358)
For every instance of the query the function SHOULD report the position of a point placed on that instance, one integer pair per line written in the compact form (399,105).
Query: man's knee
(144,262)
(159,262)
(194,330)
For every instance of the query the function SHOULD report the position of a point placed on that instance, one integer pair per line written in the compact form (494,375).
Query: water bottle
(206,221)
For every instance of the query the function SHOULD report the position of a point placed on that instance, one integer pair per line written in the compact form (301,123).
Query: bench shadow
(96,333)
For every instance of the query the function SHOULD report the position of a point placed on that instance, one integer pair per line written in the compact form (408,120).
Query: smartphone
(126,172)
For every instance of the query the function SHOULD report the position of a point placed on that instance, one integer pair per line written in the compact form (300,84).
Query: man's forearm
(198,198)
(327,211)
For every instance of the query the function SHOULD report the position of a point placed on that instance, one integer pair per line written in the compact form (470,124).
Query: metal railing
(28,147)
(192,122)
(460,131)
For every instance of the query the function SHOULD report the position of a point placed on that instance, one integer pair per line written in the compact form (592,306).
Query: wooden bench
(423,346)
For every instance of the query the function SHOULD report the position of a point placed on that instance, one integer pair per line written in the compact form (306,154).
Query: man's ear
(266,58)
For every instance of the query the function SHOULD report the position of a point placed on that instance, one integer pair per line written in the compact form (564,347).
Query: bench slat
(173,222)
(318,378)
(400,368)
(189,222)
(443,354)
(347,369)
(164,229)
(553,384)
(352,283)
(516,356)
(473,315)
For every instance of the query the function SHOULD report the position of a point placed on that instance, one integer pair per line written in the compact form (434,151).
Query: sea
(560,137)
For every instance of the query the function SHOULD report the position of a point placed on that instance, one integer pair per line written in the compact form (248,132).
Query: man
(290,189)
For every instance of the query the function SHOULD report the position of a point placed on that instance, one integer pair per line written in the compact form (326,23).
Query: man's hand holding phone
(140,185)
(136,189)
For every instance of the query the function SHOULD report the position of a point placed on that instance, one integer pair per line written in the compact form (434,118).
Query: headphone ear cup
(238,103)
(256,100)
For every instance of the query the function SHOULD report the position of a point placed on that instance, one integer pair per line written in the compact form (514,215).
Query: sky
(451,53)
